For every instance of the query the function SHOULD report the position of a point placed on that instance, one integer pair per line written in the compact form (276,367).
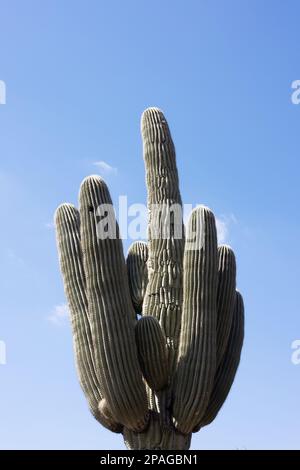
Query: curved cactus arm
(227,369)
(152,352)
(225,297)
(165,229)
(197,353)
(110,308)
(106,415)
(67,223)
(137,272)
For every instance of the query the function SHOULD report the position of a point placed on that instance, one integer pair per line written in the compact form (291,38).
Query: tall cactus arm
(70,257)
(225,297)
(163,298)
(110,308)
(152,352)
(197,354)
(164,291)
(137,271)
(228,367)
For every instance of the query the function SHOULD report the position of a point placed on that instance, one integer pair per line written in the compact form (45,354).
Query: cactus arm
(225,297)
(67,223)
(152,352)
(164,291)
(137,272)
(110,310)
(106,416)
(197,353)
(227,369)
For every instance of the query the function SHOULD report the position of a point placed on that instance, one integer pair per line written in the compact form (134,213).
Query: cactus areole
(162,377)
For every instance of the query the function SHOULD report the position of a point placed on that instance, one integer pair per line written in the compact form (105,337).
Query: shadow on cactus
(158,379)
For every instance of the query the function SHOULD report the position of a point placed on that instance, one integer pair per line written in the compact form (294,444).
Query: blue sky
(78,76)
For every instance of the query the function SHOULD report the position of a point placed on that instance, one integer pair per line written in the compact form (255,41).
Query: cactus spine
(160,378)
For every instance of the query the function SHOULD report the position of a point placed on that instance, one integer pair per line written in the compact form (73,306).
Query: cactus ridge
(158,338)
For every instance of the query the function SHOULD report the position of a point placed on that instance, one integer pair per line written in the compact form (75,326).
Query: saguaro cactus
(162,377)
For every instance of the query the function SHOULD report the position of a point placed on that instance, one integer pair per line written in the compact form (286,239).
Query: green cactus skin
(137,272)
(152,352)
(162,377)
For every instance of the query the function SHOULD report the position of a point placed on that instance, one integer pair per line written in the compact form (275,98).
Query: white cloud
(222,230)
(223,224)
(59,315)
(2,353)
(105,167)
(2,92)
(14,258)
(49,225)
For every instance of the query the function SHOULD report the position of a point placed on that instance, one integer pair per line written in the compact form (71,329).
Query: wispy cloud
(2,92)
(49,225)
(2,353)
(59,315)
(223,224)
(105,167)
(14,258)
(222,230)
